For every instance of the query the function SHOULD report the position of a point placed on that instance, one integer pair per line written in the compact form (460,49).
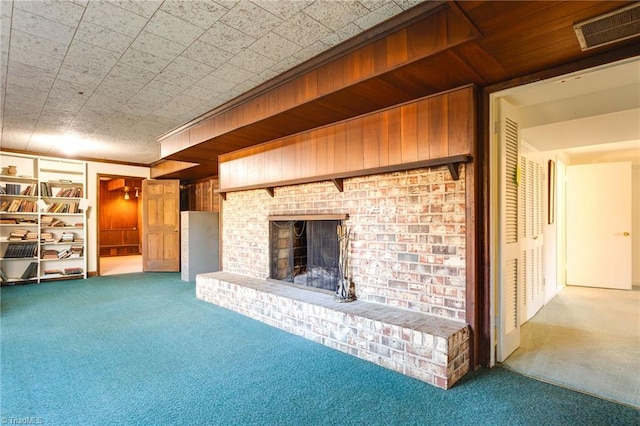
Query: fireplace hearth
(305,252)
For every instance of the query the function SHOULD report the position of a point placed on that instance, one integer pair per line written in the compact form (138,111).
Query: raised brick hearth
(429,348)
(407,262)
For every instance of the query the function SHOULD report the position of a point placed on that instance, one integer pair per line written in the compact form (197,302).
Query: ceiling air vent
(609,28)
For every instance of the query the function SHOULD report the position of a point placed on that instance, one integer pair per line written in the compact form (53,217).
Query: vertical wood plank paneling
(355,145)
(422,136)
(320,137)
(340,147)
(380,56)
(395,135)
(371,141)
(288,160)
(331,151)
(397,53)
(312,154)
(383,137)
(421,42)
(438,126)
(430,128)
(275,162)
(461,122)
(409,132)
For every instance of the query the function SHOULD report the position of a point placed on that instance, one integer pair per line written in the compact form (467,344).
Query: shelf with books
(42,202)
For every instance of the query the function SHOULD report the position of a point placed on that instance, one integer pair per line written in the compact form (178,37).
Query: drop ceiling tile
(251,61)
(285,65)
(165,88)
(232,73)
(310,51)
(144,8)
(67,94)
(28,76)
(66,13)
(202,14)
(186,66)
(27,95)
(37,46)
(143,60)
(85,77)
(374,4)
(251,19)
(215,84)
(175,79)
(17,111)
(156,45)
(113,17)
(128,78)
(173,28)
(190,102)
(286,9)
(103,37)
(207,54)
(275,47)
(378,15)
(302,30)
(407,4)
(341,35)
(201,92)
(227,38)
(173,109)
(14,137)
(42,27)
(93,57)
(48,64)
(338,15)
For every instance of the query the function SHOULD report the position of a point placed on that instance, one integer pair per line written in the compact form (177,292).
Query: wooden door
(161,225)
(599,225)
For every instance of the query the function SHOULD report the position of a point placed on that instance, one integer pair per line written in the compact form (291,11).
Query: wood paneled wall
(201,196)
(119,228)
(436,127)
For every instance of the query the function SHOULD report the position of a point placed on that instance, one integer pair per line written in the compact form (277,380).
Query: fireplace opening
(305,252)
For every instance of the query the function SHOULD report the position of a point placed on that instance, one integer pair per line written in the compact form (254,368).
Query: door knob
(626,234)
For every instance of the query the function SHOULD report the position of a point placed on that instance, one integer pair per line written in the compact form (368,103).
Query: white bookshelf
(52,212)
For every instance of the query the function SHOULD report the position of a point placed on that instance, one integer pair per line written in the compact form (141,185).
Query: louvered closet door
(511,270)
(531,231)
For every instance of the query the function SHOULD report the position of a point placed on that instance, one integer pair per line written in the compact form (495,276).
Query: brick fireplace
(407,262)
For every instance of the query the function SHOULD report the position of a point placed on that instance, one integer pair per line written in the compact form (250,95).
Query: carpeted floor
(586,339)
(141,349)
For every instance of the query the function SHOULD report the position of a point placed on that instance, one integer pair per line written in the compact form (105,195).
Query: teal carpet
(141,349)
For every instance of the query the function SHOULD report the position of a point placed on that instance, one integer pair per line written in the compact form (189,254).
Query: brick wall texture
(408,235)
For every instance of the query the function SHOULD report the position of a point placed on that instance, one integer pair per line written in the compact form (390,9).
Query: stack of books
(73,271)
(67,237)
(18,235)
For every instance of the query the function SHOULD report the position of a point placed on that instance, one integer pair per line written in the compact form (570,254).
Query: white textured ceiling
(102,79)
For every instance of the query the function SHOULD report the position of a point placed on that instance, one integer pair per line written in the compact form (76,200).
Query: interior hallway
(115,265)
(587,339)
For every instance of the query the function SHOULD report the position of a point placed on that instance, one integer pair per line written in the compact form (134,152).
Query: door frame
(490,247)
(99,206)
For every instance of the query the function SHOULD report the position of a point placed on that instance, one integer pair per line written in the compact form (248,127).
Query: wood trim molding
(289,217)
(339,177)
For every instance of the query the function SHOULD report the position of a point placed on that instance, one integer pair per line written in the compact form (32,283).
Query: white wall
(93,169)
(635,225)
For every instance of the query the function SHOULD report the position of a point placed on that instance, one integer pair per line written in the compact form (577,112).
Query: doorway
(558,118)
(119,219)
